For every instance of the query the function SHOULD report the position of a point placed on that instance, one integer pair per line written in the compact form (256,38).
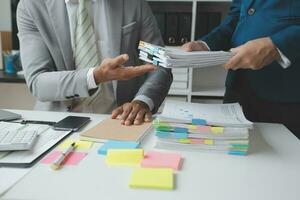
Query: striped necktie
(86,54)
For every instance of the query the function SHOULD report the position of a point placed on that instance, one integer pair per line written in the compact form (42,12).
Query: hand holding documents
(177,58)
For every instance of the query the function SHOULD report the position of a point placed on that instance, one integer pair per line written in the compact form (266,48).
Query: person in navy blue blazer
(264,73)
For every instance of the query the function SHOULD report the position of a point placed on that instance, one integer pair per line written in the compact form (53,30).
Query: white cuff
(205,44)
(91,80)
(146,100)
(283,60)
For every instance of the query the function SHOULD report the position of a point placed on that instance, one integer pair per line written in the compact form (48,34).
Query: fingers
(132,116)
(187,47)
(148,117)
(118,111)
(131,72)
(119,60)
(127,108)
(139,119)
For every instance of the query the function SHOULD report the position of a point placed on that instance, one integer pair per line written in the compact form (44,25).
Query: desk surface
(270,172)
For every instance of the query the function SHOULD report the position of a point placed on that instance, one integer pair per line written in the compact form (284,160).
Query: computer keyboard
(15,137)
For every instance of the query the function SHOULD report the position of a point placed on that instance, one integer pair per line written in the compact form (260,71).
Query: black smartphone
(71,123)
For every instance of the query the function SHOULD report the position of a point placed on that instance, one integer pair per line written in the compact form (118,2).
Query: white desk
(270,172)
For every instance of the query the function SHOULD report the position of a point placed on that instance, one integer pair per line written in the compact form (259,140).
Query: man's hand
(255,55)
(135,113)
(195,46)
(113,69)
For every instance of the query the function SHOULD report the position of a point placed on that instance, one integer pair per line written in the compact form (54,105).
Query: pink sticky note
(72,159)
(155,159)
(197,141)
(203,128)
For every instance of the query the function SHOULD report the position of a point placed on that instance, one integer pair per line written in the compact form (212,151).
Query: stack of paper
(203,127)
(176,58)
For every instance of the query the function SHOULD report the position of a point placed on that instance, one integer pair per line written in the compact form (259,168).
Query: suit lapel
(115,12)
(248,3)
(60,21)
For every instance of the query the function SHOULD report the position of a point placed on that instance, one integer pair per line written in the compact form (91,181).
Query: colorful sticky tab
(208,142)
(192,127)
(237,153)
(73,158)
(80,145)
(199,122)
(152,178)
(181,130)
(125,157)
(155,159)
(180,135)
(164,128)
(185,141)
(163,134)
(203,129)
(114,144)
(217,130)
(197,141)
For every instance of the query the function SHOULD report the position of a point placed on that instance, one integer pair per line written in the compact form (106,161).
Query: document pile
(176,58)
(203,127)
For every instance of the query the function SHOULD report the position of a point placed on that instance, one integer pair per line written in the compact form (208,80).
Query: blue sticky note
(237,153)
(163,134)
(181,130)
(114,144)
(199,122)
(180,135)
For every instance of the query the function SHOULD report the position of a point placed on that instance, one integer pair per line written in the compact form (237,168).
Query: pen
(37,122)
(58,162)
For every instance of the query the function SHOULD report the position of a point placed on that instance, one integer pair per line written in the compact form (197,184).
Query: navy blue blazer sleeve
(287,41)
(220,37)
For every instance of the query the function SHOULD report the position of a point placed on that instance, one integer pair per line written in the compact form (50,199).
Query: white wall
(5,15)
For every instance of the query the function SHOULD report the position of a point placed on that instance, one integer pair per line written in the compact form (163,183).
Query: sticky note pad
(152,178)
(124,157)
(80,145)
(155,159)
(73,158)
(199,122)
(114,144)
(217,130)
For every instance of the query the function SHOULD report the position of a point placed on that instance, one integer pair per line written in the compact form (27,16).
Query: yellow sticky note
(80,145)
(159,178)
(217,130)
(184,141)
(192,127)
(209,142)
(124,157)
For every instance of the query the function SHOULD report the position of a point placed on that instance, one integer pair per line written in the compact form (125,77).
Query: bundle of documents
(203,127)
(176,58)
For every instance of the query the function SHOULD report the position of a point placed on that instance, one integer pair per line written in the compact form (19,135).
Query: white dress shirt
(99,20)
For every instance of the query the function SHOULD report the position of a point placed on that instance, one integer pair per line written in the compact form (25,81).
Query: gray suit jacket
(47,56)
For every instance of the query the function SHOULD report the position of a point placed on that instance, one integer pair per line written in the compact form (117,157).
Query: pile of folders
(177,58)
(195,137)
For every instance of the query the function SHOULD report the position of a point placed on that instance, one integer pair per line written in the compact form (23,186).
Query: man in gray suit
(63,42)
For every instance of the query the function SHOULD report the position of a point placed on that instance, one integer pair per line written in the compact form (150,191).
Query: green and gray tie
(86,54)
